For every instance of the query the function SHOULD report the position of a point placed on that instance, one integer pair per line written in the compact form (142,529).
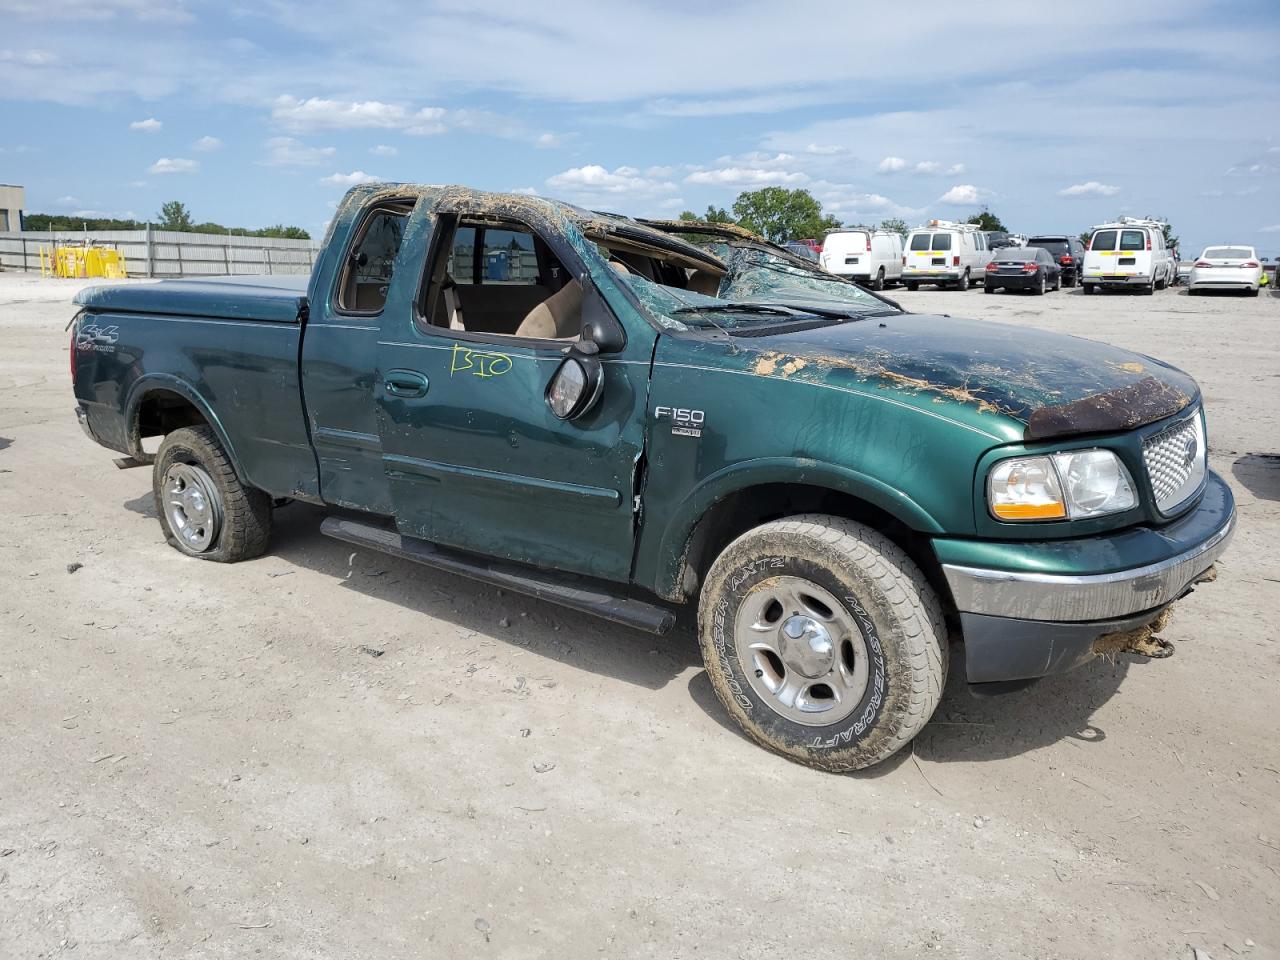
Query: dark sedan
(1023,268)
(1067,251)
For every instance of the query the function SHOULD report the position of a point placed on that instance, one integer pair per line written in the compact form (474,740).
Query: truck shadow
(542,628)
(965,727)
(968,728)
(1259,473)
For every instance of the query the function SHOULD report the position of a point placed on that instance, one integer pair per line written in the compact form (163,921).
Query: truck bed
(265,299)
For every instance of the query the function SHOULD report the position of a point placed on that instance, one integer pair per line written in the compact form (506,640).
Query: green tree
(986,220)
(175,216)
(714,214)
(780,214)
(895,225)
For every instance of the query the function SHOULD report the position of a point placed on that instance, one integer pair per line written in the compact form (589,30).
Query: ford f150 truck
(625,416)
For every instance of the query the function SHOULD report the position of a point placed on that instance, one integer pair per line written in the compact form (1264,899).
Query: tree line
(173,215)
(780,214)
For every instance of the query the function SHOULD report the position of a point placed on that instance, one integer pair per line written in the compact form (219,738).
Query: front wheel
(823,640)
(204,509)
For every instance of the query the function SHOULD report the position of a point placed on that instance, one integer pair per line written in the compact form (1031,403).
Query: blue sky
(265,113)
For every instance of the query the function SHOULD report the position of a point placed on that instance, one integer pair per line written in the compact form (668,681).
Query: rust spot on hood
(1123,408)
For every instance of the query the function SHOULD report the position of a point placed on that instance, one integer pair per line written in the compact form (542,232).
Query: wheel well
(159,413)
(746,509)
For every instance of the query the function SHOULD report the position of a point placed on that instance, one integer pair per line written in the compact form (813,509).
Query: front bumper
(1035,620)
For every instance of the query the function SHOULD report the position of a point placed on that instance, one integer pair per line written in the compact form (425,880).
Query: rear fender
(153,382)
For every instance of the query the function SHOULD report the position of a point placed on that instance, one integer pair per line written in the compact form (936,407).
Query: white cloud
(1090,188)
(206,144)
(891,165)
(963,194)
(547,141)
(149,125)
(288,152)
(745,177)
(824,149)
(174,165)
(28,58)
(595,180)
(350,179)
(1274,228)
(317,113)
(933,166)
(383,150)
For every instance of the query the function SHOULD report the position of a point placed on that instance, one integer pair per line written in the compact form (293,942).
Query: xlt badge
(684,422)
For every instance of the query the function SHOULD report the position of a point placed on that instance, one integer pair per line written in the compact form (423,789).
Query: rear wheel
(1089,288)
(204,509)
(913,286)
(878,283)
(1150,288)
(988,288)
(823,640)
(1039,288)
(963,282)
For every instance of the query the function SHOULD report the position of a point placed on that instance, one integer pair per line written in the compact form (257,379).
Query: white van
(872,257)
(1128,253)
(945,253)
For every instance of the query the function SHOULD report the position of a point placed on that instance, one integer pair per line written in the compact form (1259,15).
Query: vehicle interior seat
(704,282)
(559,317)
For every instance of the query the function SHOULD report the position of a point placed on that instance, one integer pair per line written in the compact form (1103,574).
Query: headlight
(1079,484)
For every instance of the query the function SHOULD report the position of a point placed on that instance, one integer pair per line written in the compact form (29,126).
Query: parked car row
(1128,253)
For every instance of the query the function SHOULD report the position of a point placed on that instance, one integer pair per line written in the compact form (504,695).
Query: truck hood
(1043,384)
(281,299)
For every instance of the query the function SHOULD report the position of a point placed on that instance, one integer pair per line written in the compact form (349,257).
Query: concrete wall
(13,200)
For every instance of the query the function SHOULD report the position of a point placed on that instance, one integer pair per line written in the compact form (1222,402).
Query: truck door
(474,456)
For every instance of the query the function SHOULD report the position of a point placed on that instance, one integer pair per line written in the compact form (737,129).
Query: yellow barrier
(81,262)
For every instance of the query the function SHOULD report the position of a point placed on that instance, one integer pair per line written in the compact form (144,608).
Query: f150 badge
(684,422)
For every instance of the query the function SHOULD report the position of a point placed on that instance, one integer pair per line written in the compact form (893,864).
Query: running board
(578,594)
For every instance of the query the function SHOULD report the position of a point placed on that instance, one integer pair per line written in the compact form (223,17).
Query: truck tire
(823,640)
(878,284)
(204,509)
(963,282)
(912,285)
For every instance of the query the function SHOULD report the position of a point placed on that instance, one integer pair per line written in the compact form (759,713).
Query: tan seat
(559,317)
(704,282)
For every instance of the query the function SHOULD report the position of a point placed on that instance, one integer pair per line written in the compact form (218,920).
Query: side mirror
(577,383)
(599,326)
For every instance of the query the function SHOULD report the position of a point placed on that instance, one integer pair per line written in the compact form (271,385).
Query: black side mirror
(577,383)
(599,326)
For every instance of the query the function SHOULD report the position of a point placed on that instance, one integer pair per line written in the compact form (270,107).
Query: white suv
(1128,253)
(945,253)
(872,257)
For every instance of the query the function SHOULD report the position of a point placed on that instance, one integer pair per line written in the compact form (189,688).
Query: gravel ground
(201,761)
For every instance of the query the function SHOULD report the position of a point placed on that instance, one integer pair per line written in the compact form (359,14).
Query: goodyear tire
(823,640)
(204,509)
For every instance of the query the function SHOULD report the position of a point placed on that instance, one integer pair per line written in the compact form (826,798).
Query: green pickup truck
(624,416)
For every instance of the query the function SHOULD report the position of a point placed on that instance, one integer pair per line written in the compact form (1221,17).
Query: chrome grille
(1175,461)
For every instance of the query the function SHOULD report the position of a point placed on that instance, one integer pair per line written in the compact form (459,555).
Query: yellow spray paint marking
(479,363)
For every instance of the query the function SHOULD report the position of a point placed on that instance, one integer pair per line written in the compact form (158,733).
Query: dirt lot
(199,761)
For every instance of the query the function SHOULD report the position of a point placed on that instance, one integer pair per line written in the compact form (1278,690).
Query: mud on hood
(1053,384)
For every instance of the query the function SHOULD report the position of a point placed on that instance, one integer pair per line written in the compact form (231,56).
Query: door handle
(405,383)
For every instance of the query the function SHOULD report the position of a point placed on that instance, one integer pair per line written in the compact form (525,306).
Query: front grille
(1175,460)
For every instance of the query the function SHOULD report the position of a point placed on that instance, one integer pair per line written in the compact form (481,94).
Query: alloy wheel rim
(802,651)
(192,506)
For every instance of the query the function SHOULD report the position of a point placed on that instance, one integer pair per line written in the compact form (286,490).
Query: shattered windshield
(757,276)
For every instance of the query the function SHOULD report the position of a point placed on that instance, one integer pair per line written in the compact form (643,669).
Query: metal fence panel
(166,253)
